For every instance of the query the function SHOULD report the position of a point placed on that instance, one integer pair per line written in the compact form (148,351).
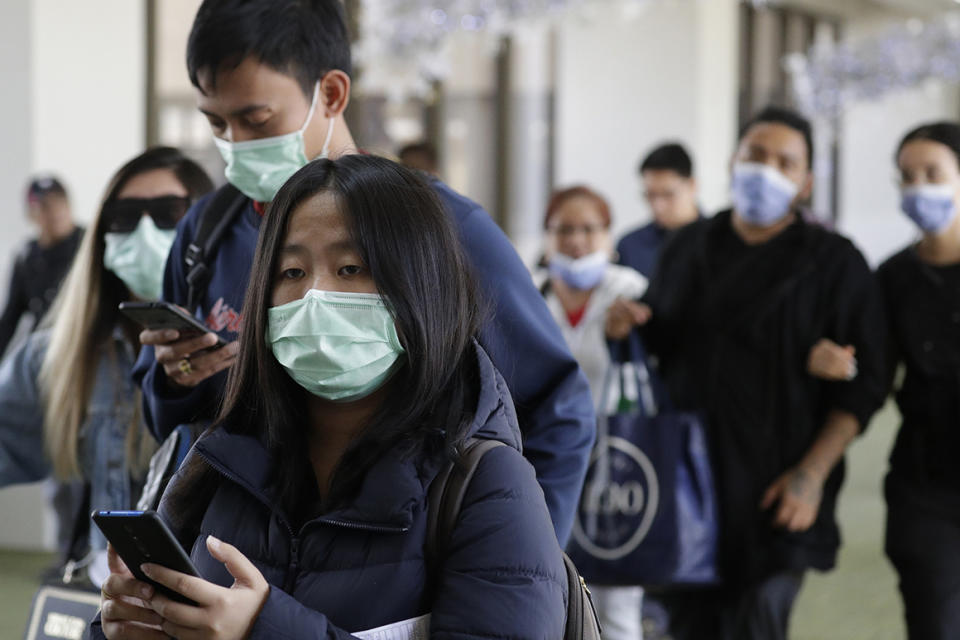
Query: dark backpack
(223,208)
(445,500)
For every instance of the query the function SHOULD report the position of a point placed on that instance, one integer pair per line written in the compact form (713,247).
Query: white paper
(412,629)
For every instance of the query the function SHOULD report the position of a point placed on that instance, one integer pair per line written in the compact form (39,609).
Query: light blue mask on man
(258,168)
(336,345)
(762,196)
(930,206)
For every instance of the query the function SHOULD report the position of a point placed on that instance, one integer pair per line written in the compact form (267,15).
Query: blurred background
(517,98)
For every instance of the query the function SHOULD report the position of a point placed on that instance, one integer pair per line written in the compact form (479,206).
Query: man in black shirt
(42,264)
(734,310)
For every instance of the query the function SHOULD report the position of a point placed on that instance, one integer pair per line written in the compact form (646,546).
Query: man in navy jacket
(277,74)
(670,189)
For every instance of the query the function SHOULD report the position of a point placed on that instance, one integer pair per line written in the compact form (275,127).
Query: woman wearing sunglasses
(67,404)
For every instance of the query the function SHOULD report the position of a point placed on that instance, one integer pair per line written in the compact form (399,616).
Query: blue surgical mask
(930,206)
(762,196)
(258,168)
(580,273)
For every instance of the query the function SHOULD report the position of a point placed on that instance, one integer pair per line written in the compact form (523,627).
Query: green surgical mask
(258,168)
(338,346)
(139,257)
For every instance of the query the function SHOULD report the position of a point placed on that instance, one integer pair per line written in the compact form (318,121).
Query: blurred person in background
(40,266)
(580,286)
(734,311)
(421,156)
(670,189)
(67,403)
(921,286)
(580,283)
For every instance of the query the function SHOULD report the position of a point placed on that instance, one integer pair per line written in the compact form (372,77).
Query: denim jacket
(102,447)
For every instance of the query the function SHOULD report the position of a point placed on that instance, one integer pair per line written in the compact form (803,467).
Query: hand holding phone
(141,537)
(213,611)
(186,349)
(125,603)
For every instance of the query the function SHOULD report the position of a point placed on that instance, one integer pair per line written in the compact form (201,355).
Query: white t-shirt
(587,341)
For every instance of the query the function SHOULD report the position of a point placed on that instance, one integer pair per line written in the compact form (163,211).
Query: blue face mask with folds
(930,206)
(762,196)
(580,273)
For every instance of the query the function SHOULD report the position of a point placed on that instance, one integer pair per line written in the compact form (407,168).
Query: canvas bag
(648,513)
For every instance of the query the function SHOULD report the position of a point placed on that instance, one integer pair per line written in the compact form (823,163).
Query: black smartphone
(163,315)
(142,537)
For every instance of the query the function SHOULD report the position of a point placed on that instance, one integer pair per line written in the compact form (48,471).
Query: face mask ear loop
(326,143)
(325,150)
(313,106)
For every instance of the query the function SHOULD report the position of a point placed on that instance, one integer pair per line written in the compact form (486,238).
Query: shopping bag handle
(629,356)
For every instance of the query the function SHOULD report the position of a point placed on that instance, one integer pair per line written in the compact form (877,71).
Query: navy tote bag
(647,513)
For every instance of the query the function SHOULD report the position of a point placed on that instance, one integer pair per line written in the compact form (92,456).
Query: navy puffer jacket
(363,566)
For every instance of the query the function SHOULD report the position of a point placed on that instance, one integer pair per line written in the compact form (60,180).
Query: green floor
(858,601)
(19,577)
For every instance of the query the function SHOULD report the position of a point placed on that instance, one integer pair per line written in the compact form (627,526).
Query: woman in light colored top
(67,403)
(580,286)
(581,283)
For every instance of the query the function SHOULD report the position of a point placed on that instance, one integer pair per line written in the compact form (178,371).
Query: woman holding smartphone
(921,287)
(304,507)
(67,404)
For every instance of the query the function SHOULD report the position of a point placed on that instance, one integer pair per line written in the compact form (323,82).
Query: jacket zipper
(362,526)
(290,577)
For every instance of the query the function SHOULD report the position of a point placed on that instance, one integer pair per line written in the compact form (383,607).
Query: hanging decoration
(830,77)
(402,42)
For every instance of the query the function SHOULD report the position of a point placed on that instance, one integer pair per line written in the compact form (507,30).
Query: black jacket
(923,308)
(733,326)
(34,281)
(362,566)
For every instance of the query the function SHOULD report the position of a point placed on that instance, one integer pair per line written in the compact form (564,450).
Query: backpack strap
(215,219)
(444,502)
(445,497)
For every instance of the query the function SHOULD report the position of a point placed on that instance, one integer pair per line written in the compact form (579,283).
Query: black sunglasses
(123,216)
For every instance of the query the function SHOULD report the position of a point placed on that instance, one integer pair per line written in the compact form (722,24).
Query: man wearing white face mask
(273,80)
(733,312)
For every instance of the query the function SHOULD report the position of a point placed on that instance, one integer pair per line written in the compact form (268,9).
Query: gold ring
(185,367)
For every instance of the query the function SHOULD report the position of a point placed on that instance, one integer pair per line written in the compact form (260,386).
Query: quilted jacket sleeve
(503,576)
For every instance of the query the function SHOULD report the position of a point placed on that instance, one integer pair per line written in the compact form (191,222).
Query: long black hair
(407,241)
